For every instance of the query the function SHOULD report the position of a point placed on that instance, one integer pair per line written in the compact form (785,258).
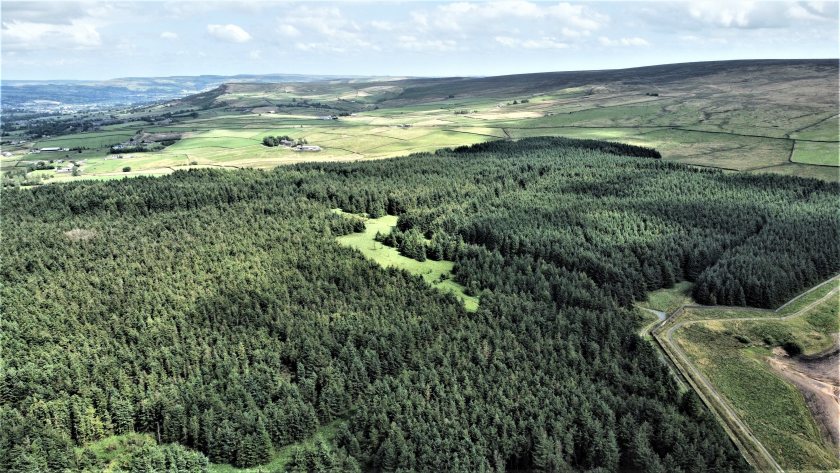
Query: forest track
(740,433)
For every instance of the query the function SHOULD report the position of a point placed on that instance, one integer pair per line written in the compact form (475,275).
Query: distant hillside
(419,90)
(650,76)
(129,90)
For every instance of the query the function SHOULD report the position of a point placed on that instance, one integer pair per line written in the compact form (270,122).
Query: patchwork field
(783,120)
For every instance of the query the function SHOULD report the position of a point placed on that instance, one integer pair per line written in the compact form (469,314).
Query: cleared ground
(736,358)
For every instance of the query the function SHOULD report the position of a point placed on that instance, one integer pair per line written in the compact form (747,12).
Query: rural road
(741,434)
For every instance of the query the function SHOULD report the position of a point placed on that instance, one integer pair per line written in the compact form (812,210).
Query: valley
(748,116)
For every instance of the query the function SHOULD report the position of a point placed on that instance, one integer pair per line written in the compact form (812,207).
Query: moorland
(755,116)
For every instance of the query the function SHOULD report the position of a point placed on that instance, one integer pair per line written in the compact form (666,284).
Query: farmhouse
(52,149)
(307,148)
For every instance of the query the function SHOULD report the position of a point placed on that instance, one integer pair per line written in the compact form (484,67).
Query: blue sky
(100,40)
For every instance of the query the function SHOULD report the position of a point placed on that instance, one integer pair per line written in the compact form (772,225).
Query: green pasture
(438,274)
(102,139)
(807,152)
(824,130)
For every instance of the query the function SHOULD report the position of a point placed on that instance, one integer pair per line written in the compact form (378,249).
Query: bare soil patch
(818,379)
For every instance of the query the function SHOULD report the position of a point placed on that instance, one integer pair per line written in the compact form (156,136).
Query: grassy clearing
(283,455)
(733,354)
(437,274)
(827,154)
(115,451)
(669,300)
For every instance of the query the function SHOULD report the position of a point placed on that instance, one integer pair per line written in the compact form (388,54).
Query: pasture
(782,120)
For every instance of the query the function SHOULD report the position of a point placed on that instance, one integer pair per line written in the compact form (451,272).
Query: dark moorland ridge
(426,89)
(214,310)
(659,74)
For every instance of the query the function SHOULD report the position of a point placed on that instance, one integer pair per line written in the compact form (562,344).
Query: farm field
(762,362)
(825,154)
(783,121)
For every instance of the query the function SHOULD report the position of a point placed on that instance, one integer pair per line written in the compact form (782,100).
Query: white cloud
(288,30)
(229,32)
(78,33)
(328,30)
(168,35)
(413,43)
(383,25)
(541,43)
(758,14)
(634,41)
(256,54)
(472,16)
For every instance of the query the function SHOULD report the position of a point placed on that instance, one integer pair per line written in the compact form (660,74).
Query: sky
(101,40)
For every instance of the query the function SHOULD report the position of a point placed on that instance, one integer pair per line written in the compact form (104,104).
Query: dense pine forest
(215,311)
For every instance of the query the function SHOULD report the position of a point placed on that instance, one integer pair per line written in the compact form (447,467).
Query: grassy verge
(114,452)
(733,356)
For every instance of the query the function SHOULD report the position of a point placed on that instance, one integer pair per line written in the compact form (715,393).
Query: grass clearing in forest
(437,274)
(283,455)
(669,300)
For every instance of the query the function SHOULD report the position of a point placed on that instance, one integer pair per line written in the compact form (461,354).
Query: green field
(93,140)
(733,355)
(438,274)
(705,120)
(826,154)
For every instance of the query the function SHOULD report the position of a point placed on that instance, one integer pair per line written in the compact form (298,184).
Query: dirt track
(752,448)
(817,379)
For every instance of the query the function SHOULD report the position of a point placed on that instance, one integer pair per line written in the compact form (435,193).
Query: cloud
(413,43)
(477,16)
(288,30)
(748,14)
(168,35)
(31,35)
(256,54)
(327,30)
(541,43)
(634,41)
(383,25)
(229,32)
